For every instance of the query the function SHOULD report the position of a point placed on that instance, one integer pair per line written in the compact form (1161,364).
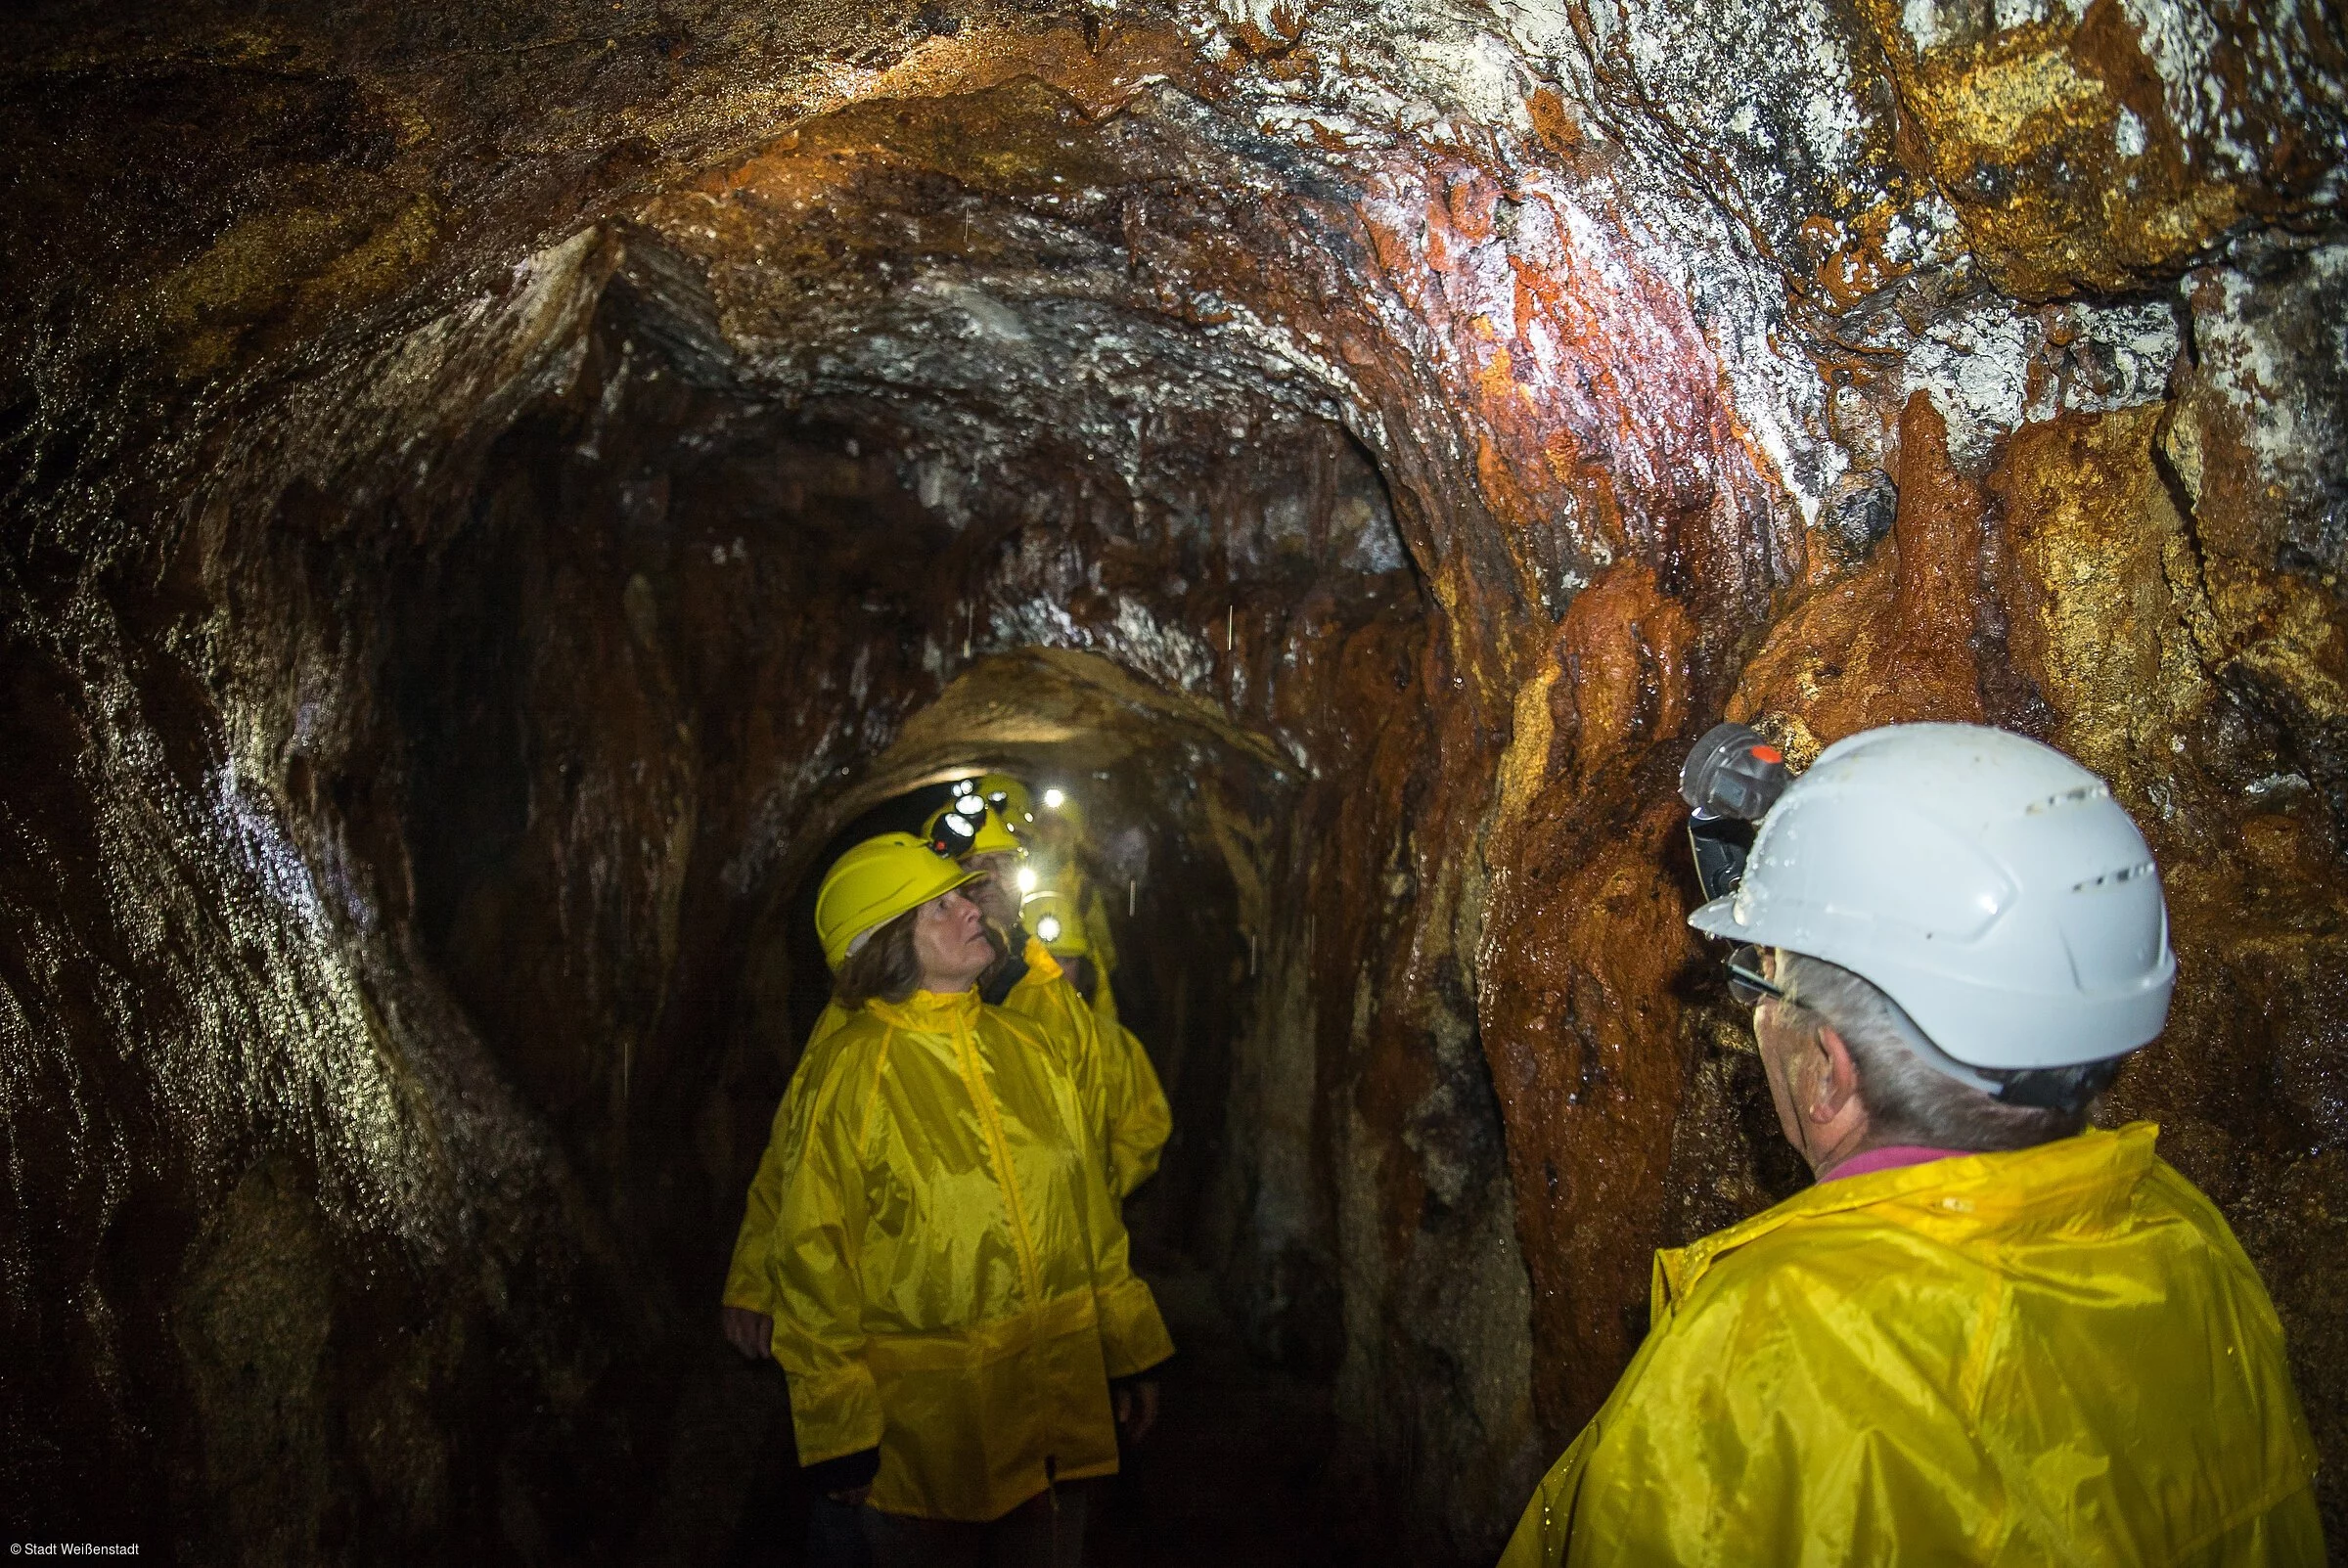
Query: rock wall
(485,483)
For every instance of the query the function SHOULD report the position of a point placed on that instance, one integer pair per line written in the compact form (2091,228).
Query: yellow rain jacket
(1067,879)
(1140,1121)
(949,1271)
(2053,1356)
(1120,1089)
(1093,910)
(1135,1119)
(1104,954)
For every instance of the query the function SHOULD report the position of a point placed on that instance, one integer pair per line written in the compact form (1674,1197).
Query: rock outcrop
(492,490)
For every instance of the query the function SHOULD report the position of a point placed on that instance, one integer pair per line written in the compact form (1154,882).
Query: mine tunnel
(498,498)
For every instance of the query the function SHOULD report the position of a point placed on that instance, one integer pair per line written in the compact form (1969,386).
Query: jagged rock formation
(493,489)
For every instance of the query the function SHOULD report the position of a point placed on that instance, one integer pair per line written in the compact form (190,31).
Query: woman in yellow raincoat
(1125,1102)
(948,1269)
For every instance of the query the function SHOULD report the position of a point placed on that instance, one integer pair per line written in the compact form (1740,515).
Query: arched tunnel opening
(1179,813)
(665,583)
(498,499)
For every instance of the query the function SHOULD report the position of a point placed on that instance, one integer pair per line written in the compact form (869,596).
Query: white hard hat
(1988,885)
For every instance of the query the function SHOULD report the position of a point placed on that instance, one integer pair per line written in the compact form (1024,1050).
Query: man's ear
(1839,1084)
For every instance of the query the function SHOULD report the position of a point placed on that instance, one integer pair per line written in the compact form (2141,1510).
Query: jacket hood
(2082,1184)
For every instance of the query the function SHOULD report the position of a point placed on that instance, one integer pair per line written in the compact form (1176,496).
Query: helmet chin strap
(1939,1061)
(2022,1088)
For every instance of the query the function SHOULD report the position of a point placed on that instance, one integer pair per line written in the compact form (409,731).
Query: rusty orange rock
(1893,641)
(1585,932)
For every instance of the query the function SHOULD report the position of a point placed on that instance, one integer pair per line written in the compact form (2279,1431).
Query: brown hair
(884,966)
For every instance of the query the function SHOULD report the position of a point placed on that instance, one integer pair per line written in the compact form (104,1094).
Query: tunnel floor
(1236,1472)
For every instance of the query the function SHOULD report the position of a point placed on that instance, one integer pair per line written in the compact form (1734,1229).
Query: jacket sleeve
(819,1300)
(1139,1118)
(746,1276)
(1047,998)
(1133,1335)
(1126,1109)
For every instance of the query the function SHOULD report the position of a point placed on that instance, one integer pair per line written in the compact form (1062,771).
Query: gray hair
(1917,1094)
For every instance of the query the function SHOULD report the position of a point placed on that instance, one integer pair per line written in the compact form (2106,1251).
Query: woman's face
(949,942)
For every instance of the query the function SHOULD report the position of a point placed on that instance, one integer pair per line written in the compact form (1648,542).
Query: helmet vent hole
(2079,796)
(2126,873)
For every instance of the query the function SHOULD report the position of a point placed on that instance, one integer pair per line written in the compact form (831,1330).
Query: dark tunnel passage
(1184,980)
(496,498)
(1236,1472)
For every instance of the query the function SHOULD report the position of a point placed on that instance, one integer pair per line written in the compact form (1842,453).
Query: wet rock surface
(494,491)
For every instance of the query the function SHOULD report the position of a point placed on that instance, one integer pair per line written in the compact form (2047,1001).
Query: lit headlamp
(955,834)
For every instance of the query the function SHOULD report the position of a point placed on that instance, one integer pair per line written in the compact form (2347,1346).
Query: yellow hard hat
(968,827)
(1006,795)
(1058,803)
(873,885)
(1051,917)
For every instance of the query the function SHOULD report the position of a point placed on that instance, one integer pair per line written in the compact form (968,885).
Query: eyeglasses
(1746,983)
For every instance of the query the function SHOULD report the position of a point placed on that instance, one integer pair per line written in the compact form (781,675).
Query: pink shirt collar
(1891,1158)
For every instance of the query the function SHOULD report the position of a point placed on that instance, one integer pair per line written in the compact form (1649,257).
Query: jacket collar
(2079,1184)
(1040,961)
(930,1012)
